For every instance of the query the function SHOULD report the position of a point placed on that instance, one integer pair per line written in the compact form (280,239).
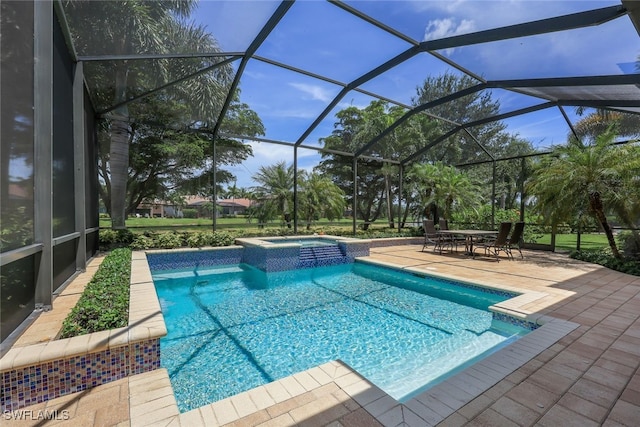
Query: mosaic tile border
(174,260)
(515,321)
(48,380)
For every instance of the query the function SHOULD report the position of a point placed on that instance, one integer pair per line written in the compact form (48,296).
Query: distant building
(234,206)
(164,209)
(157,208)
(228,207)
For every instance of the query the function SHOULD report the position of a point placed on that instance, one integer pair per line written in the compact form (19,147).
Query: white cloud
(316,92)
(447,27)
(255,74)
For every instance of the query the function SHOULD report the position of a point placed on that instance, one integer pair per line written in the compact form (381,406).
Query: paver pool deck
(589,377)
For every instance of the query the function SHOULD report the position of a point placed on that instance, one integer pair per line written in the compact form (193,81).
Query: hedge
(104,304)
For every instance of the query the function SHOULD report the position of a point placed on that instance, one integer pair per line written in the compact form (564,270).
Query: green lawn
(567,242)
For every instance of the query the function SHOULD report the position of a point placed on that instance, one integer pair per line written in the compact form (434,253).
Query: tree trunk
(119,153)
(387,192)
(406,210)
(596,205)
(119,159)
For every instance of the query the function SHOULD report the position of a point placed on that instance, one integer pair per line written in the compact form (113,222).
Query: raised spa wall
(282,254)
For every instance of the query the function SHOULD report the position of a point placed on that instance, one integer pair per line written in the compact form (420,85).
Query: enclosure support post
(493,197)
(522,197)
(214,190)
(295,190)
(355,193)
(79,162)
(400,198)
(43,151)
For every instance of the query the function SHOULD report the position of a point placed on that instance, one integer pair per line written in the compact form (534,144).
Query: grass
(567,242)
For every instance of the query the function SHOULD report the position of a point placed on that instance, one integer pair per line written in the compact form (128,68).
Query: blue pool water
(234,328)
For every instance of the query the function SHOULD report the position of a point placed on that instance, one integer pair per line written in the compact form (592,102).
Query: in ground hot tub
(294,252)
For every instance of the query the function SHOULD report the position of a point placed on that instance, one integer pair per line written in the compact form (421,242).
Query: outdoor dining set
(492,242)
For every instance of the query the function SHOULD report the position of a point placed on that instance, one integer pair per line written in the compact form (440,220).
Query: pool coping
(39,372)
(427,408)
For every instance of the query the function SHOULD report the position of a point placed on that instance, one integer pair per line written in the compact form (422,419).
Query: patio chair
(432,237)
(494,246)
(515,241)
(444,225)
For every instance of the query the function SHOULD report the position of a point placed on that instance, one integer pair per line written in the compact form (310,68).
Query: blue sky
(319,37)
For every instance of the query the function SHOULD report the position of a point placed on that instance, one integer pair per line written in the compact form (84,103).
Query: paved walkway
(588,378)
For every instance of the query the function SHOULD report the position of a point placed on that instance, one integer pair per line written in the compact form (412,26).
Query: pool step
(316,256)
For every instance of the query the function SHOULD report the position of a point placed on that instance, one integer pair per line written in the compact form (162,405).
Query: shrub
(168,240)
(104,304)
(141,242)
(195,240)
(111,239)
(190,213)
(605,258)
(221,238)
(218,238)
(629,245)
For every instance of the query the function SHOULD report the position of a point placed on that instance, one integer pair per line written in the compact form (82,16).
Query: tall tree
(349,122)
(460,148)
(165,158)
(353,130)
(144,27)
(592,177)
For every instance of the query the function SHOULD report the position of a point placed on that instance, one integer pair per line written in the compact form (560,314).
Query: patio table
(469,235)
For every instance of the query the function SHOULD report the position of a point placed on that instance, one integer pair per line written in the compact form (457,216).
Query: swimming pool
(233,328)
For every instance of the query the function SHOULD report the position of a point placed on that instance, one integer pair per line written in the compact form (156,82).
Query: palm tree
(139,26)
(276,186)
(593,177)
(422,178)
(232,192)
(455,188)
(441,188)
(320,197)
(245,193)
